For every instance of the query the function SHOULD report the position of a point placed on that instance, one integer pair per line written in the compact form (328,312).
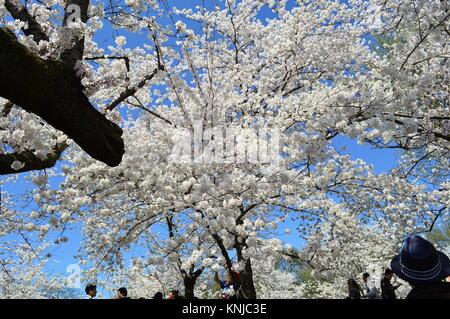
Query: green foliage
(440,236)
(300,270)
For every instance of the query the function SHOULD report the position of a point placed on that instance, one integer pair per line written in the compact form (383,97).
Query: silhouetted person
(387,289)
(424,268)
(353,289)
(91,291)
(371,290)
(122,293)
(175,294)
(158,295)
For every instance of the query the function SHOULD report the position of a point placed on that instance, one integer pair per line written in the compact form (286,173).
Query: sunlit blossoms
(186,201)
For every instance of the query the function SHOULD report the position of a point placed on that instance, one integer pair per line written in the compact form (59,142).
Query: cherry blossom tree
(362,234)
(199,110)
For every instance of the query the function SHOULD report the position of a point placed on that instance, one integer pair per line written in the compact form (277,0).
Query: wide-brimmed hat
(420,263)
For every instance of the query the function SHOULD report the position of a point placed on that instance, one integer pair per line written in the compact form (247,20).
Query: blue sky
(382,160)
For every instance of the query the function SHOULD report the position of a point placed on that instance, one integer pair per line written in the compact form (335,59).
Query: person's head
(122,292)
(351,283)
(419,262)
(158,295)
(388,273)
(173,294)
(365,276)
(91,290)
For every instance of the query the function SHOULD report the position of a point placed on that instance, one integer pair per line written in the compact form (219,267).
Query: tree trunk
(247,288)
(189,283)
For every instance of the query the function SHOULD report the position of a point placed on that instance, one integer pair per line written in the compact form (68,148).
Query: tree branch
(75,53)
(51,90)
(20,12)
(7,108)
(31,161)
(131,91)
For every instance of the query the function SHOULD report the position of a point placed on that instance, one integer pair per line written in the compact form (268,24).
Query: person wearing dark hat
(387,289)
(424,268)
(91,291)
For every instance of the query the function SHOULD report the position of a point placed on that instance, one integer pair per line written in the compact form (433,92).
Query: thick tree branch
(75,53)
(224,252)
(7,108)
(31,161)
(19,12)
(50,90)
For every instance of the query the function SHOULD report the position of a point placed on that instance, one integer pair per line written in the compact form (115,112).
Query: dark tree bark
(51,90)
(189,278)
(189,281)
(19,12)
(31,161)
(245,280)
(75,53)
(247,287)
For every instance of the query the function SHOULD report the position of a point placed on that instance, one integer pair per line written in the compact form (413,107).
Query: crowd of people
(228,288)
(419,263)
